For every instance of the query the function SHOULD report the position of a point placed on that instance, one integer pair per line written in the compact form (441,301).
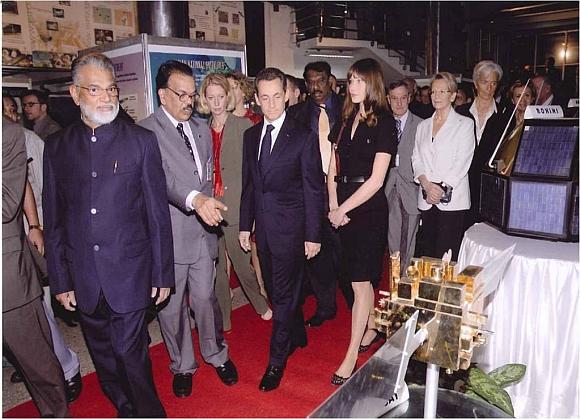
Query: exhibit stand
(534,316)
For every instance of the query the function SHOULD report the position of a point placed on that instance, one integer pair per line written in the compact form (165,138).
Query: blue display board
(201,60)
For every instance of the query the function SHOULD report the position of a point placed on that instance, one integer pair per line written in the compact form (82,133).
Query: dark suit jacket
(286,200)
(491,135)
(107,225)
(307,112)
(20,282)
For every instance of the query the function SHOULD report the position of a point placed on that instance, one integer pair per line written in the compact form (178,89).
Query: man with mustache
(108,234)
(186,149)
(321,112)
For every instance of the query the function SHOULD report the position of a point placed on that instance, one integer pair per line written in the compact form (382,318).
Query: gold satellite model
(445,302)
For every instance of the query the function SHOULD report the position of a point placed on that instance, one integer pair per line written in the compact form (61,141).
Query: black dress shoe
(227,373)
(271,379)
(316,321)
(73,388)
(182,385)
(16,377)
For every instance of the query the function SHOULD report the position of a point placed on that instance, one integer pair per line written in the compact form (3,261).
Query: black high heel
(337,380)
(364,348)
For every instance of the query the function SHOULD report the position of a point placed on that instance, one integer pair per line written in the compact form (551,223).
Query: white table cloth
(535,317)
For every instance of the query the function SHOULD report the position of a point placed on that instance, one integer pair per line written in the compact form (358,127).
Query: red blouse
(218,186)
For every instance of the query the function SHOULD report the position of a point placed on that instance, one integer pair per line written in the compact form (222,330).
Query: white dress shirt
(480,128)
(277,127)
(187,129)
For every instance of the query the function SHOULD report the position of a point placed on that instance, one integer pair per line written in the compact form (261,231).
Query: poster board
(201,60)
(49,34)
(219,21)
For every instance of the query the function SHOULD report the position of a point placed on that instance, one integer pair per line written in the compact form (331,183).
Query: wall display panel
(546,150)
(130,74)
(538,207)
(50,33)
(220,21)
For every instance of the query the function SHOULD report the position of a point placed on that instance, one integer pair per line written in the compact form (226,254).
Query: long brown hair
(375,101)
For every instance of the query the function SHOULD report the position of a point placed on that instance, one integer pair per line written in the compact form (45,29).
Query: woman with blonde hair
(363,147)
(489,120)
(227,131)
(441,158)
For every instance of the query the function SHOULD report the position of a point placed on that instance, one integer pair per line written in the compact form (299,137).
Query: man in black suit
(282,193)
(321,112)
(108,234)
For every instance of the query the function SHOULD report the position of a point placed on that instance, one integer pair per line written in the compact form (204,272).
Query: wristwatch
(33,226)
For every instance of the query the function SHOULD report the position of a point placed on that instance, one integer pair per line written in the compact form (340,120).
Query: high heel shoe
(337,380)
(364,348)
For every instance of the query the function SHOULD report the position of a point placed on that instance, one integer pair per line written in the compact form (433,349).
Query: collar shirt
(403,120)
(190,136)
(277,127)
(480,128)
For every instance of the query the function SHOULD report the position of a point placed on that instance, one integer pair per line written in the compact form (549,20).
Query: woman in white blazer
(443,151)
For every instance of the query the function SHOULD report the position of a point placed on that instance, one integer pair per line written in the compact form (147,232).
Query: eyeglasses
(439,92)
(184,96)
(98,91)
(30,104)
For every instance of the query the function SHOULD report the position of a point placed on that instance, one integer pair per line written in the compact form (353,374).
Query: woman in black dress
(358,206)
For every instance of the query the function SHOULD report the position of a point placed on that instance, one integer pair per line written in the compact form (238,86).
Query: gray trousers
(68,359)
(194,287)
(26,334)
(247,276)
(402,229)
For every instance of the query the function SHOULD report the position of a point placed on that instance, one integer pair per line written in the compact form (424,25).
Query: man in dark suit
(282,192)
(35,107)
(25,329)
(186,150)
(108,234)
(401,190)
(321,112)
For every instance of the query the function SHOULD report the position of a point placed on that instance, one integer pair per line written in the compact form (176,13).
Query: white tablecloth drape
(535,317)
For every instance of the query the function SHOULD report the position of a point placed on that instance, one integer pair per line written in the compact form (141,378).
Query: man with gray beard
(108,234)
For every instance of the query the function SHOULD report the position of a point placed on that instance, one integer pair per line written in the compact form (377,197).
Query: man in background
(401,190)
(321,112)
(35,108)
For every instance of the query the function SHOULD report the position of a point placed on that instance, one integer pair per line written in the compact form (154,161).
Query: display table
(535,318)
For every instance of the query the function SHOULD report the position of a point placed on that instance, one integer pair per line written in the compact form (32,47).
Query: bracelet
(35,226)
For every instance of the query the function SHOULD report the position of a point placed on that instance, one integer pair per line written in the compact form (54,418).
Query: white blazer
(445,159)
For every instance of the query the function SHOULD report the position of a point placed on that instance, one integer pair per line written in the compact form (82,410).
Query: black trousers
(441,231)
(118,345)
(283,279)
(322,271)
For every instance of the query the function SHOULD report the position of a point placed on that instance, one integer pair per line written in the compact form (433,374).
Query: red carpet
(305,385)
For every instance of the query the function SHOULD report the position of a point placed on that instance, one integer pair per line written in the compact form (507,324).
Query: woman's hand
(338,218)
(434,193)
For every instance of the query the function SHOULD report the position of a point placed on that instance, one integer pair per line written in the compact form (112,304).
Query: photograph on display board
(103,36)
(10,7)
(123,18)
(102,15)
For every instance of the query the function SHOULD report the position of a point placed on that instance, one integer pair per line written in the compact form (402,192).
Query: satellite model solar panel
(546,151)
(538,207)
